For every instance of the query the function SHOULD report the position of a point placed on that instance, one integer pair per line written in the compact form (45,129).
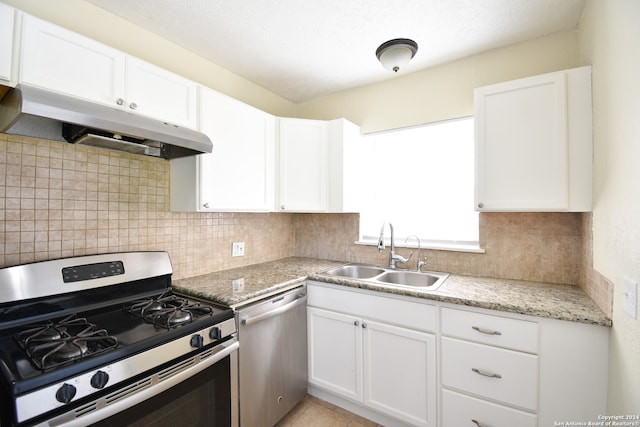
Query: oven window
(202,400)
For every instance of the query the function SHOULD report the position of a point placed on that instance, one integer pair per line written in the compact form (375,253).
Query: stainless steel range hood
(43,114)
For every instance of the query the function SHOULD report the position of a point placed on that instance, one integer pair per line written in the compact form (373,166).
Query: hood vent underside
(43,114)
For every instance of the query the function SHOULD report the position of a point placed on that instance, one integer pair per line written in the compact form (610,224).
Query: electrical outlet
(630,297)
(237,284)
(237,249)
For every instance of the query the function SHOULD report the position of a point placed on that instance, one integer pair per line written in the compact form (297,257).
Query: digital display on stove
(79,273)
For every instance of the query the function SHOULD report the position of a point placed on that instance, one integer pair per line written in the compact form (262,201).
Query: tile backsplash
(60,200)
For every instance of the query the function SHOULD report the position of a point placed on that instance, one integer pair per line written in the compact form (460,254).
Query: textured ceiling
(305,49)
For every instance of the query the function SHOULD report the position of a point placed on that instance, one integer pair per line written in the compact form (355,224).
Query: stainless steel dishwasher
(273,357)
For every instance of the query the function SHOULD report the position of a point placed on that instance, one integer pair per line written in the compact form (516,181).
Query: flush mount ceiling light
(396,53)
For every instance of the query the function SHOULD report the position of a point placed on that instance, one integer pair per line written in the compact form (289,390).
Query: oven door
(204,394)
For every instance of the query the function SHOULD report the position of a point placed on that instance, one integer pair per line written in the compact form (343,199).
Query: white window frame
(389,171)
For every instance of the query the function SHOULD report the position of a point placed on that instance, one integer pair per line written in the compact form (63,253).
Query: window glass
(422,181)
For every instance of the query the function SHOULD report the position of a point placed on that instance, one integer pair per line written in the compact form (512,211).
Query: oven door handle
(223,350)
(246,321)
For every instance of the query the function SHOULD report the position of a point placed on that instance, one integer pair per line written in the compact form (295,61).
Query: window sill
(439,246)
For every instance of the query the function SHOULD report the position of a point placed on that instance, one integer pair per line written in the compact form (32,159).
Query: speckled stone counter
(562,302)
(243,285)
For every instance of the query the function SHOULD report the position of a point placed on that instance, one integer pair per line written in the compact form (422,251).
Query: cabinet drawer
(390,310)
(464,411)
(493,330)
(503,375)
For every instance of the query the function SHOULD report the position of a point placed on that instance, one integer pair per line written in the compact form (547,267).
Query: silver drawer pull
(486,331)
(476,422)
(486,374)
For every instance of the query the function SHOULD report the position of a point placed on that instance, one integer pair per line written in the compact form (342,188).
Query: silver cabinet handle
(486,374)
(476,422)
(364,325)
(282,207)
(206,205)
(481,205)
(356,323)
(485,331)
(133,105)
(120,101)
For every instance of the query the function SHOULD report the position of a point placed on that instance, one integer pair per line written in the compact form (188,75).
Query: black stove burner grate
(167,311)
(53,344)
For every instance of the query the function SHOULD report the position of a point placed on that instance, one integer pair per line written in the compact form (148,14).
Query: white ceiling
(304,49)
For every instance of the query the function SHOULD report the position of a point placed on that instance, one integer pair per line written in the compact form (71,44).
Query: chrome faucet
(393,258)
(420,262)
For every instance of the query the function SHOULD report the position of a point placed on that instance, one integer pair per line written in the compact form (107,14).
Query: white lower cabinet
(502,370)
(459,410)
(502,375)
(335,352)
(399,368)
(403,361)
(358,354)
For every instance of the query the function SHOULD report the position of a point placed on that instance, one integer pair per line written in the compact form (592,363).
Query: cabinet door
(158,93)
(400,372)
(239,174)
(335,352)
(303,165)
(521,145)
(57,59)
(6,42)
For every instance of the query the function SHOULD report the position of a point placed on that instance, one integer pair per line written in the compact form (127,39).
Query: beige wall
(609,34)
(60,200)
(542,247)
(446,91)
(105,27)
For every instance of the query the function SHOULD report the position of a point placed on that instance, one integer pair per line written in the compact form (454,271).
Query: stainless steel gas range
(103,340)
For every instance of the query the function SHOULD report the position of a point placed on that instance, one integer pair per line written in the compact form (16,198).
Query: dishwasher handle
(301,299)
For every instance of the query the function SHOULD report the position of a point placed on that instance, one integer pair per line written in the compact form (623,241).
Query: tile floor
(313,412)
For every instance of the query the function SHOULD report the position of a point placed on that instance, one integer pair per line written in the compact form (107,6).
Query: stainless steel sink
(414,279)
(356,271)
(429,280)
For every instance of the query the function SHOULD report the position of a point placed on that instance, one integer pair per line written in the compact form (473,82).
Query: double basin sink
(426,281)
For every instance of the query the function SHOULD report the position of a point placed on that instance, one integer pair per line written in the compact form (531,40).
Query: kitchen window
(422,181)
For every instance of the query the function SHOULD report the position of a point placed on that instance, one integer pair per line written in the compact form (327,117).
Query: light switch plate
(630,297)
(237,249)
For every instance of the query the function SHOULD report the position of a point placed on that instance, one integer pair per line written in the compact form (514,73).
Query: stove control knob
(215,333)
(99,379)
(197,341)
(65,393)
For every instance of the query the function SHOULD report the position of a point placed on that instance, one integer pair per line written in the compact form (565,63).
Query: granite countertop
(564,302)
(243,285)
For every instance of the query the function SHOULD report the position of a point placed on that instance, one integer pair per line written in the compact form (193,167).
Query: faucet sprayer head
(381,238)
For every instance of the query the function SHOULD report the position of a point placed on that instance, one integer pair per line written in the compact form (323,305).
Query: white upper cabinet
(158,93)
(57,59)
(303,165)
(239,174)
(534,143)
(346,166)
(7,25)
(318,165)
(60,60)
